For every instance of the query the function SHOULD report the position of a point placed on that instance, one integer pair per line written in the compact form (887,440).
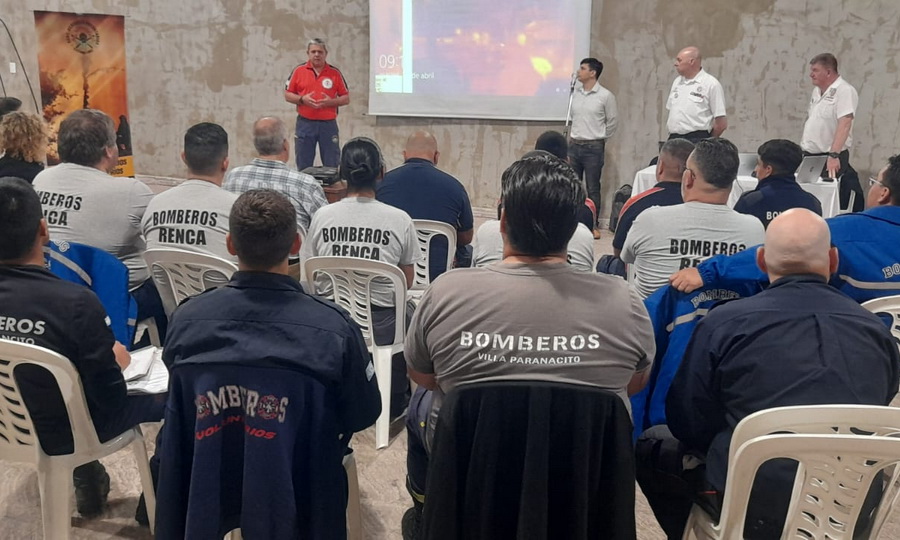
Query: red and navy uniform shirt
(328,83)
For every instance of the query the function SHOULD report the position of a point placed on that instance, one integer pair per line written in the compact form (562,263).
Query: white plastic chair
(351,280)
(180,274)
(850,201)
(889,305)
(427,229)
(840,449)
(18,439)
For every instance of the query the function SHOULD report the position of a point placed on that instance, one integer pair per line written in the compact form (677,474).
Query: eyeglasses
(873,181)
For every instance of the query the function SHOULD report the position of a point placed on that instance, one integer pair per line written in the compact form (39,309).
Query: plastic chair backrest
(889,305)
(860,421)
(427,229)
(180,274)
(351,281)
(18,439)
(833,477)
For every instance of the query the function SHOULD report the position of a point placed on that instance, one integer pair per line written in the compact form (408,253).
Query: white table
(826,192)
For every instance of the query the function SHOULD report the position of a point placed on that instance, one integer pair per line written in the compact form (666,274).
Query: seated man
(487,248)
(270,171)
(84,204)
(869,242)
(800,342)
(778,189)
(666,239)
(423,191)
(193,216)
(361,226)
(39,308)
(667,192)
(531,316)
(262,317)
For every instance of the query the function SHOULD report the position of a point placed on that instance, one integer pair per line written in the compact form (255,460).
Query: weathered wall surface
(226,60)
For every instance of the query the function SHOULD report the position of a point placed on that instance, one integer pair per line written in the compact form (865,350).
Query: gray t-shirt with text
(87,206)
(366,228)
(666,239)
(192,216)
(540,322)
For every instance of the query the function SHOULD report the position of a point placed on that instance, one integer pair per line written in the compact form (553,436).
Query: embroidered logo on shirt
(327,84)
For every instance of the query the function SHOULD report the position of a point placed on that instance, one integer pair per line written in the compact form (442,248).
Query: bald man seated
(423,191)
(799,342)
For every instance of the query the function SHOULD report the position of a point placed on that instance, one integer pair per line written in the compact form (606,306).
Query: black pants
(849,181)
(587,158)
(383,321)
(694,136)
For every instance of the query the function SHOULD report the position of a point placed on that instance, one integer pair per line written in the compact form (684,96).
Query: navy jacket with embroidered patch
(267,384)
(774,195)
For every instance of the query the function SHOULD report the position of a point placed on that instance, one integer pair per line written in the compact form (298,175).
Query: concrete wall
(226,60)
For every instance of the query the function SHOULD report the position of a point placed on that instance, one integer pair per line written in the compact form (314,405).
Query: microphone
(572,85)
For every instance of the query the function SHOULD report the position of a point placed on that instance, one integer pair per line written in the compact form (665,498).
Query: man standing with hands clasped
(696,102)
(594,119)
(317,89)
(828,129)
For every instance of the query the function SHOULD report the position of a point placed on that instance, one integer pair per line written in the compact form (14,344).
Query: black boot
(91,488)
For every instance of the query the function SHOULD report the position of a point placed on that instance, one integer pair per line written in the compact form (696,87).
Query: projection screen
(497,59)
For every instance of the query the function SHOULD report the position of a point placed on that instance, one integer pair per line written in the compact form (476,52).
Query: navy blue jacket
(39,308)
(662,194)
(799,342)
(774,195)
(425,192)
(267,384)
(868,249)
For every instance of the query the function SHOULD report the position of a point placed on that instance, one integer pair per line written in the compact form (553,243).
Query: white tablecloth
(826,192)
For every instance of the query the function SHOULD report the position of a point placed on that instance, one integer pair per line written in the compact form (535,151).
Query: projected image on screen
(475,58)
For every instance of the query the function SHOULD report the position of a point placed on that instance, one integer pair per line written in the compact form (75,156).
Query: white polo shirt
(594,113)
(824,111)
(693,104)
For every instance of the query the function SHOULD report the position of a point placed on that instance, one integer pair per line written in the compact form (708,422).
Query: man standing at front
(317,89)
(530,316)
(594,119)
(828,128)
(696,101)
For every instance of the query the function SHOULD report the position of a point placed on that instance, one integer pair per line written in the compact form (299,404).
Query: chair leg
(143,464)
(55,484)
(354,514)
(382,359)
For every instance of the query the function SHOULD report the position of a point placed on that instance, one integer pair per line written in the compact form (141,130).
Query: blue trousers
(310,133)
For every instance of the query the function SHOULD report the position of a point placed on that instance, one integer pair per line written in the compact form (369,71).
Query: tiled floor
(381,479)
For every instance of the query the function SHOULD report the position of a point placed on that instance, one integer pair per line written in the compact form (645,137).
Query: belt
(587,141)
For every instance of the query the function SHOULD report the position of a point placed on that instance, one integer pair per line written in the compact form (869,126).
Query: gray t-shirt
(366,228)
(666,239)
(541,322)
(88,206)
(192,216)
(487,246)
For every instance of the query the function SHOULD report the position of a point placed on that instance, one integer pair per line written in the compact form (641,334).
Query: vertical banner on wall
(81,59)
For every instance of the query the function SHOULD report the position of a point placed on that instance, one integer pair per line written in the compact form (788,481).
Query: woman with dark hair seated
(23,141)
(360,226)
